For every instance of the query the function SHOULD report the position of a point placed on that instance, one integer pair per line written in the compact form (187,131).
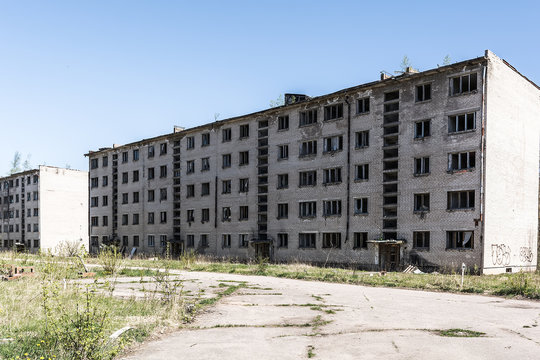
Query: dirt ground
(271,318)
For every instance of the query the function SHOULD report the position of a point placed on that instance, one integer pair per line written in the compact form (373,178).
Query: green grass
(460,333)
(525,285)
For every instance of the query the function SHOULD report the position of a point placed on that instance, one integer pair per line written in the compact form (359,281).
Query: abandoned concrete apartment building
(42,208)
(435,168)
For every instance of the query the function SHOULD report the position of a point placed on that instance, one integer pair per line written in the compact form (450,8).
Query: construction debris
(14,272)
(412,270)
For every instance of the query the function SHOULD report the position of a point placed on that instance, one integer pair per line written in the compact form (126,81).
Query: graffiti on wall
(525,254)
(500,254)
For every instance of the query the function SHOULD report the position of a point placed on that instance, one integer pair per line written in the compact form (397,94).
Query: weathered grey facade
(436,168)
(42,208)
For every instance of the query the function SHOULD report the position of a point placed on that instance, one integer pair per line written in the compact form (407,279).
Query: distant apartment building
(434,168)
(42,208)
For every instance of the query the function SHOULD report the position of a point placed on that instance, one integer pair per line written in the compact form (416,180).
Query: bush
(110,260)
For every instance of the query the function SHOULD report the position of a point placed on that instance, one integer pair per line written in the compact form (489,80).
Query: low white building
(41,209)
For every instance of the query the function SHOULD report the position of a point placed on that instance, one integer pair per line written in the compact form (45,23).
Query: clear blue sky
(79,75)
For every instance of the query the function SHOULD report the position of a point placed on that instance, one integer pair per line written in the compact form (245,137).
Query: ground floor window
(332,240)
(459,240)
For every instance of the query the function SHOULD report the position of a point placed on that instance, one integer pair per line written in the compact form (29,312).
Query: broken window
(361,206)
(151,173)
(463,84)
(283,152)
(421,202)
(205,189)
(162,194)
(308,148)
(307,240)
(244,213)
(125,197)
(332,176)
(462,122)
(226,214)
(205,139)
(423,92)
(205,215)
(462,161)
(125,157)
(151,241)
(459,240)
(150,218)
(421,166)
(421,240)
(460,200)
(104,163)
(283,240)
(243,185)
(283,122)
(125,178)
(135,197)
(93,163)
(205,164)
(136,155)
(244,131)
(151,151)
(226,187)
(94,200)
(332,208)
(333,144)
(362,139)
(307,209)
(190,142)
(243,158)
(331,240)
(362,172)
(190,240)
(190,166)
(151,195)
(135,219)
(203,242)
(226,240)
(360,240)
(94,182)
(162,148)
(332,112)
(226,134)
(362,106)
(283,181)
(308,117)
(308,178)
(242,240)
(190,191)
(226,161)
(190,216)
(136,176)
(422,129)
(283,211)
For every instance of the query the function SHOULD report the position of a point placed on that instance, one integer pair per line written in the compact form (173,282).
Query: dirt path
(271,318)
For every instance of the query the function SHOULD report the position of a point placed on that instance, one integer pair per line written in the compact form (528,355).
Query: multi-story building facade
(42,208)
(436,168)
(131,198)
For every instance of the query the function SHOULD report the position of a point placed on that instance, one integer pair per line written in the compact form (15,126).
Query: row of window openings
(94,200)
(456,200)
(11,228)
(94,240)
(135,155)
(9,243)
(14,214)
(16,198)
(94,220)
(94,182)
(15,182)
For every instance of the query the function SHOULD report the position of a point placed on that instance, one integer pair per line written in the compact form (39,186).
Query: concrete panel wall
(511,165)
(64,207)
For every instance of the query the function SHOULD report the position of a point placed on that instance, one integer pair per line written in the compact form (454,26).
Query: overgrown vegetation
(57,315)
(525,285)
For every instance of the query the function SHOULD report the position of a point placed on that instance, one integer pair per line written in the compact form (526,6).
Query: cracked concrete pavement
(272,318)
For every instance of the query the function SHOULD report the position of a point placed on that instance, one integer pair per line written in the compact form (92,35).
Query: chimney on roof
(385,75)
(295,98)
(410,70)
(178,129)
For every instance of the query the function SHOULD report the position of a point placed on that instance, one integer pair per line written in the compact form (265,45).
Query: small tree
(447,60)
(405,63)
(280,101)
